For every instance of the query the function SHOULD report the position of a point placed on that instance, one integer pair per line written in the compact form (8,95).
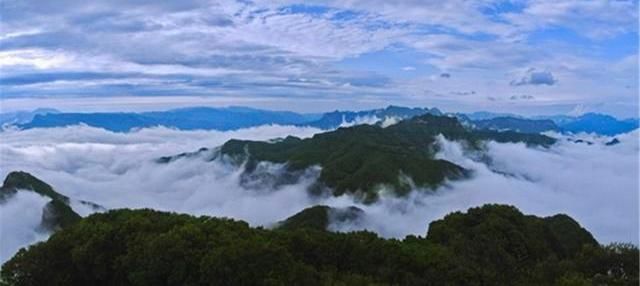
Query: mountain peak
(319,217)
(55,214)
(20,180)
(365,159)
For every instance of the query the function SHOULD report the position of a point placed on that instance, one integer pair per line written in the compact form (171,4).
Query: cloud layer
(325,53)
(595,184)
(118,170)
(19,228)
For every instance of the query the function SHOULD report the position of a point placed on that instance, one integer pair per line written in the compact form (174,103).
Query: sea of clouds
(595,184)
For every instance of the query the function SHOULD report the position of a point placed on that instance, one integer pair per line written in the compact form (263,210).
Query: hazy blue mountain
(21,117)
(600,124)
(590,123)
(483,115)
(334,119)
(205,118)
(557,119)
(516,124)
(230,118)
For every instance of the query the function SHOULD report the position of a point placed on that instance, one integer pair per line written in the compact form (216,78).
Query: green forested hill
(490,245)
(361,158)
(19,180)
(319,217)
(55,214)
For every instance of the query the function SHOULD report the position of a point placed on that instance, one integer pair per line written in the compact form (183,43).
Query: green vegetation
(362,158)
(316,217)
(490,245)
(319,217)
(55,214)
(19,180)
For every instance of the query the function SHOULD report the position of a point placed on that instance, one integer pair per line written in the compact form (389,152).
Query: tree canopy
(489,245)
(361,158)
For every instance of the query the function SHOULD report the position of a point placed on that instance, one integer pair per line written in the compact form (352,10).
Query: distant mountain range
(483,115)
(22,117)
(206,118)
(336,118)
(597,123)
(231,118)
(517,124)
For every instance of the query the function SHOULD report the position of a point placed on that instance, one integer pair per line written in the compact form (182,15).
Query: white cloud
(462,16)
(578,110)
(118,170)
(36,58)
(19,228)
(595,184)
(596,19)
(5,35)
(266,48)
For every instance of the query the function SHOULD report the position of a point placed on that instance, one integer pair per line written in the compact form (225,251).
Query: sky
(527,57)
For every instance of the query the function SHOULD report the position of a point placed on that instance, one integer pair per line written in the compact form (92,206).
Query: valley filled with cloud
(594,183)
(321,142)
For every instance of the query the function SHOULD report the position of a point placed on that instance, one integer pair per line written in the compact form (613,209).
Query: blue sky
(529,57)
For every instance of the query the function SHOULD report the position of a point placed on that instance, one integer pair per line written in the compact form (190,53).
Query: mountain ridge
(492,244)
(360,159)
(235,117)
(56,214)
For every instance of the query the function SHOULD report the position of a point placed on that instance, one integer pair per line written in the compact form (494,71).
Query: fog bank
(595,184)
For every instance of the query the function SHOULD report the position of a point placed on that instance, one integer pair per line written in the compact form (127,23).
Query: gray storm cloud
(596,184)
